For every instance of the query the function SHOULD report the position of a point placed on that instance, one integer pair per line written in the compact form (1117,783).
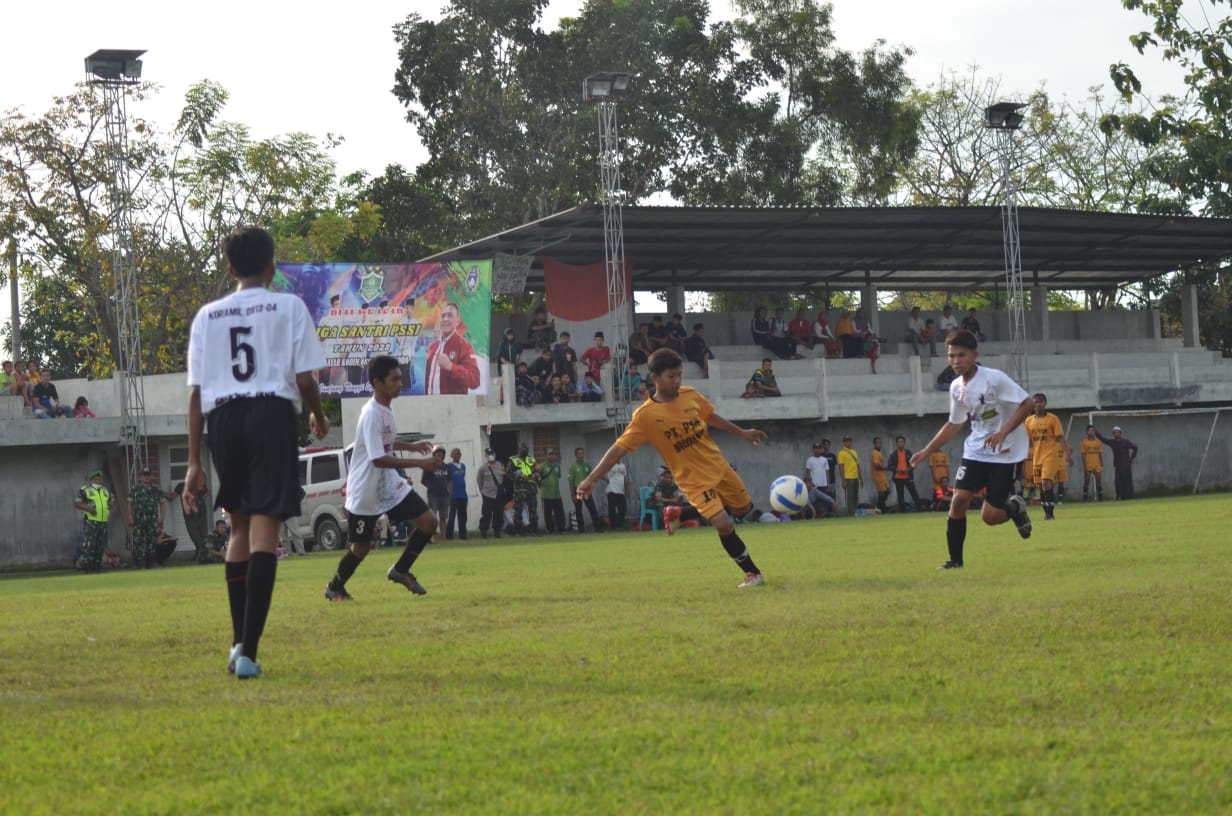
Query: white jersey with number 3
(374,490)
(989,399)
(252,343)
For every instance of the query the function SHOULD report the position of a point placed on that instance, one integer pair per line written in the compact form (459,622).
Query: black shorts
(363,528)
(998,477)
(254,444)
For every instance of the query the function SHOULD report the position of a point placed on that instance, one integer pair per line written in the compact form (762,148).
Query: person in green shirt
(578,471)
(553,507)
(8,379)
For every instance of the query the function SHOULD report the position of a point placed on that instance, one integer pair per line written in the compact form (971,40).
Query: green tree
(190,187)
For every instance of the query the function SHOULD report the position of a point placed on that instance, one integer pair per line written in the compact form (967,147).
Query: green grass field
(1084,671)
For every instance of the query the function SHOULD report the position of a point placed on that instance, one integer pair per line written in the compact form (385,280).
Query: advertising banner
(434,318)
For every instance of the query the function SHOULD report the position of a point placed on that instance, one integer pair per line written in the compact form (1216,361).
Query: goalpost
(1160,412)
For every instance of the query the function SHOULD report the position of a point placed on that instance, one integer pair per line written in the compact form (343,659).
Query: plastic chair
(646,508)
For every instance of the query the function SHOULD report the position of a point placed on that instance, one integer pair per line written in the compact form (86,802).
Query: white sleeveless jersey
(988,400)
(252,343)
(374,490)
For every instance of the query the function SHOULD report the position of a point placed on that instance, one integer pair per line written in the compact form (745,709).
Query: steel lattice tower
(1004,117)
(114,72)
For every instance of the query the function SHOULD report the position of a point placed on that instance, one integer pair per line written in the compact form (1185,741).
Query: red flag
(579,292)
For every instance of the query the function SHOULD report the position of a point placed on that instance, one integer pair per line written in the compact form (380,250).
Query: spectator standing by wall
(903,474)
(549,488)
(597,356)
(578,471)
(1124,453)
(438,487)
(146,512)
(881,482)
(617,496)
(541,332)
(492,511)
(508,353)
(817,467)
(564,357)
(458,497)
(853,478)
(96,504)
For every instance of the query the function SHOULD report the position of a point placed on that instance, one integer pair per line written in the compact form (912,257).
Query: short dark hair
(663,360)
(765,360)
(380,366)
(1039,395)
(249,251)
(963,339)
(599,336)
(675,316)
(699,327)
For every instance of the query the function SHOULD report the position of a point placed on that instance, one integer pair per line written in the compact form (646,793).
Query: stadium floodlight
(606,85)
(604,89)
(1004,115)
(115,65)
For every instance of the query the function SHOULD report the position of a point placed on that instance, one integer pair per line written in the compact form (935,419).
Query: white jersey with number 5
(989,399)
(252,343)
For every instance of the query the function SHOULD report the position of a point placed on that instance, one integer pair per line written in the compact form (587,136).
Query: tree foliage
(764,110)
(189,187)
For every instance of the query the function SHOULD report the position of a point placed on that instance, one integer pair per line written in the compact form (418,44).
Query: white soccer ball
(788,494)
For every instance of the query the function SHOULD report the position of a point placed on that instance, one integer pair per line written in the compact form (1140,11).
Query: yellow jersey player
(676,421)
(1092,465)
(1047,451)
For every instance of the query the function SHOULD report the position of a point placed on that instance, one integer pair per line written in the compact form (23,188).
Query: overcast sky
(321,69)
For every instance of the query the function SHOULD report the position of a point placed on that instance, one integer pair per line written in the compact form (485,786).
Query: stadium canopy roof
(733,248)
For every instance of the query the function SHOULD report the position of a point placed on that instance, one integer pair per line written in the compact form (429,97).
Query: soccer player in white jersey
(374,485)
(251,358)
(996,407)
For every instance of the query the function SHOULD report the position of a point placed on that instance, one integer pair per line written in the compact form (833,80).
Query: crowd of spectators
(38,392)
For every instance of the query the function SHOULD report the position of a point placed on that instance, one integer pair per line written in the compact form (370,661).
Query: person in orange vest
(903,474)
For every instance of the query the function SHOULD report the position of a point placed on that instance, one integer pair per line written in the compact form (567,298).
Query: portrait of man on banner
(434,318)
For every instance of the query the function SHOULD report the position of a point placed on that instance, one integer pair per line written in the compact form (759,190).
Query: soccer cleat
(234,656)
(671,518)
(949,565)
(332,594)
(1017,510)
(407,579)
(751,579)
(246,669)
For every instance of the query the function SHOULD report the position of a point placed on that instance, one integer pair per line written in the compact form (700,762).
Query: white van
(323,475)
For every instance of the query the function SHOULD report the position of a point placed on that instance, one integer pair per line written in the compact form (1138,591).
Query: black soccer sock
(1048,500)
(739,553)
(237,595)
(955,537)
(414,546)
(262,568)
(346,568)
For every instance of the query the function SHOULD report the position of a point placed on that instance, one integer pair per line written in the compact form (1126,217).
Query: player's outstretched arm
(306,382)
(194,479)
(754,435)
(948,431)
(614,454)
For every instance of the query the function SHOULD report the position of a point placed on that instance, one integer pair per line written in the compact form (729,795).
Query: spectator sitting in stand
(825,336)
(569,388)
(971,324)
(948,322)
(658,333)
(760,327)
(916,334)
(750,391)
(676,334)
(845,331)
(780,339)
(541,333)
(8,379)
(46,399)
(872,343)
(697,350)
(524,384)
(644,391)
(551,391)
(508,352)
(542,369)
(564,356)
(639,344)
(943,495)
(589,389)
(81,409)
(631,382)
(596,356)
(946,377)
(800,330)
(764,380)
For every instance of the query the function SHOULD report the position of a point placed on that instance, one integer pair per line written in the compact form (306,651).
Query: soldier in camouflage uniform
(215,548)
(96,503)
(145,517)
(525,473)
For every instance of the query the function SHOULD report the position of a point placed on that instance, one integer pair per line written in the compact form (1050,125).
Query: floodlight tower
(604,89)
(1004,117)
(114,71)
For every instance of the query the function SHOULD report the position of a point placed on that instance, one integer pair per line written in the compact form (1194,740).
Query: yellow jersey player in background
(676,421)
(1092,465)
(1048,451)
